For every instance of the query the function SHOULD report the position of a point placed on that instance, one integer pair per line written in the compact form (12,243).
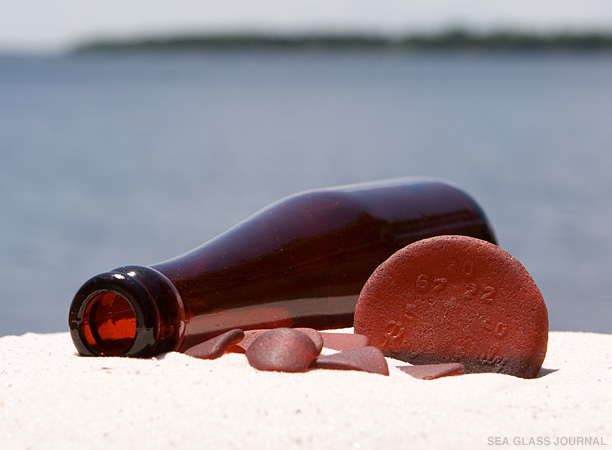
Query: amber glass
(299,262)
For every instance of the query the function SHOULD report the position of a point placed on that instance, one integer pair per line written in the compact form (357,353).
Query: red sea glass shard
(344,341)
(456,299)
(282,350)
(251,335)
(433,371)
(215,347)
(366,359)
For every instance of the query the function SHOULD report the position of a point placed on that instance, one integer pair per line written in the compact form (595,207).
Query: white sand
(52,398)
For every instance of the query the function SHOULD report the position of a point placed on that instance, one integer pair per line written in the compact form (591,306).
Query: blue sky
(50,25)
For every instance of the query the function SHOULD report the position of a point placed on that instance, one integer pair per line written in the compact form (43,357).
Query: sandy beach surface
(52,398)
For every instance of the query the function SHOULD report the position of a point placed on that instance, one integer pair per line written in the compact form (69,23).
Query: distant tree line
(449,40)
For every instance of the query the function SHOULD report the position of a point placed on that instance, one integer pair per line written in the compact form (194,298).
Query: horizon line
(451,38)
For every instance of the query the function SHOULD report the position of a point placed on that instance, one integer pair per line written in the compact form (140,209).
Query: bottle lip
(132,291)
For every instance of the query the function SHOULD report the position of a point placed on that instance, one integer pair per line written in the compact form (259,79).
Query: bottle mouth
(109,324)
(130,311)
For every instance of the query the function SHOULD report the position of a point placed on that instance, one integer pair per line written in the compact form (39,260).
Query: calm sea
(132,159)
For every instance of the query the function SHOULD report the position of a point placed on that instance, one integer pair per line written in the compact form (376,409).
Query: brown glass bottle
(301,262)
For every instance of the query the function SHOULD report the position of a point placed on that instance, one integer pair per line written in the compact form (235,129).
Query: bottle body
(299,262)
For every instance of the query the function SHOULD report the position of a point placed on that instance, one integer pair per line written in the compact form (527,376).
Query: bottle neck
(130,311)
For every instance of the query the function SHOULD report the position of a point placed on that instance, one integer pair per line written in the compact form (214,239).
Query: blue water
(133,159)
